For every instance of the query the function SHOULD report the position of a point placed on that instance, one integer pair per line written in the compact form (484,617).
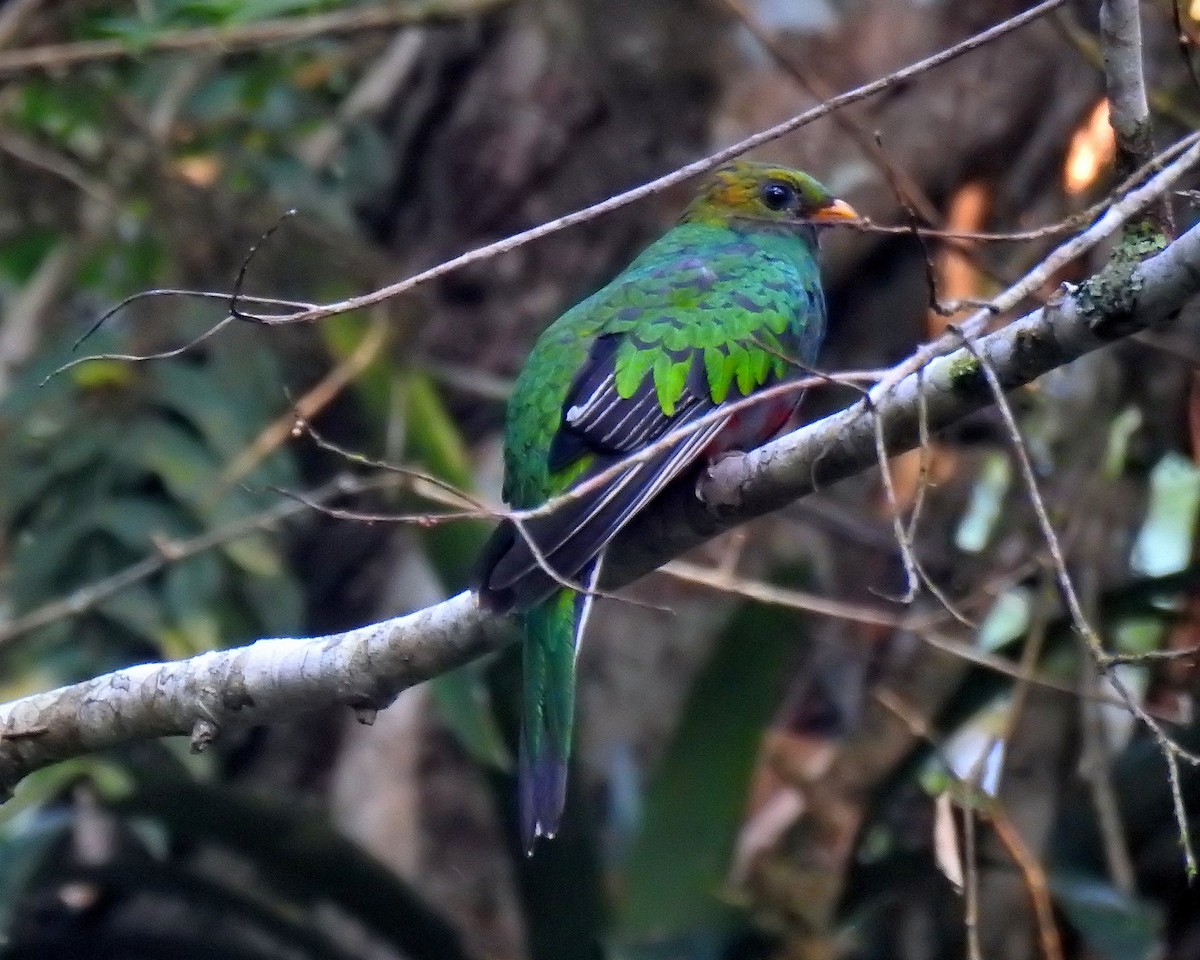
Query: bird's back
(706,315)
(730,306)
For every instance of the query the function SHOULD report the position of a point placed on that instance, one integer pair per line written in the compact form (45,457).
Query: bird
(621,397)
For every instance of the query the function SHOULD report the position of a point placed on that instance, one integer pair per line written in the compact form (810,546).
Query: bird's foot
(719,486)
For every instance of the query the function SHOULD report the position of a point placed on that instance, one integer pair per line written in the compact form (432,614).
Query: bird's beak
(835,211)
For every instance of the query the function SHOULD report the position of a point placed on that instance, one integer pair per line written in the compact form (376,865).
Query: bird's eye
(778,196)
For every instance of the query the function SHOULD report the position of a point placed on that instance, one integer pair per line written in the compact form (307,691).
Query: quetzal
(716,309)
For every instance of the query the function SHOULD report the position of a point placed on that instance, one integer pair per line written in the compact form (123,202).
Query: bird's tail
(553,631)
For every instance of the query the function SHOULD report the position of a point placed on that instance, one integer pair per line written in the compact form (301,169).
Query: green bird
(726,303)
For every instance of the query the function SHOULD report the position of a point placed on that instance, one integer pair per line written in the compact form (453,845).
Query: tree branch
(230,39)
(365,668)
(1129,113)
(665,182)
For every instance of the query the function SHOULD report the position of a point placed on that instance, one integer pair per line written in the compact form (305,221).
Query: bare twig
(1172,751)
(140,357)
(676,176)
(1150,656)
(307,407)
(1095,758)
(924,627)
(1117,215)
(907,555)
(971,888)
(1034,877)
(820,90)
(189,294)
(232,39)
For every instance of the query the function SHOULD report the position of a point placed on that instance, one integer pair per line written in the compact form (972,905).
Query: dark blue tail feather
(543,793)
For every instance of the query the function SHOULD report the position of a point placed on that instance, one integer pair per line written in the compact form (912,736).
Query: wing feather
(572,534)
(673,307)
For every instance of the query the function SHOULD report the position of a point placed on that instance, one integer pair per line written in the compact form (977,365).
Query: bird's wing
(610,429)
(675,336)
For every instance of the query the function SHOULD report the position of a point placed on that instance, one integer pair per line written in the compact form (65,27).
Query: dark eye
(778,196)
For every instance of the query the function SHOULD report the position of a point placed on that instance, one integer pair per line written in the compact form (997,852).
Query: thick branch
(364,668)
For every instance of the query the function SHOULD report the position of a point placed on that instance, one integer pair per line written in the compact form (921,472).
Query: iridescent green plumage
(726,303)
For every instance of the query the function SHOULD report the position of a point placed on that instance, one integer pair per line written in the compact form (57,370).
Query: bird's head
(764,193)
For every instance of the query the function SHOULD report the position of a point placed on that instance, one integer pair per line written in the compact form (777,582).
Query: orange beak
(837,210)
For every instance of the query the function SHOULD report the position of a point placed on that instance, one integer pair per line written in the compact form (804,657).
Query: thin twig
(308,406)
(676,176)
(1117,215)
(141,357)
(1150,656)
(1172,751)
(903,541)
(425,484)
(820,90)
(1034,877)
(247,36)
(189,294)
(971,907)
(921,626)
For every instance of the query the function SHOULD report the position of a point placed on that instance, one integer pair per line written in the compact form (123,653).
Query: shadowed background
(753,780)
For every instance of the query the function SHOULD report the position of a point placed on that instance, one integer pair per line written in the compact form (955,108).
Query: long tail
(553,632)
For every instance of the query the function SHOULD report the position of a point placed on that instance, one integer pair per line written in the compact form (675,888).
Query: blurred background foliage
(757,778)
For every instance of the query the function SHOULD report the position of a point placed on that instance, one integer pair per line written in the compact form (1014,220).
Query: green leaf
(298,850)
(135,608)
(1114,925)
(23,854)
(1007,620)
(987,501)
(465,704)
(433,436)
(1164,544)
(695,805)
